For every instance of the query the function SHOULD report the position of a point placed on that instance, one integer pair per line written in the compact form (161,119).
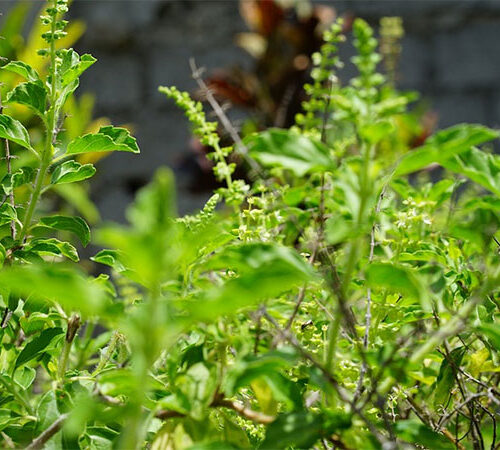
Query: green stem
(73,325)
(50,129)
(109,352)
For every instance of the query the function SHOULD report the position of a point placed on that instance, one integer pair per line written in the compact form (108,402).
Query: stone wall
(450,53)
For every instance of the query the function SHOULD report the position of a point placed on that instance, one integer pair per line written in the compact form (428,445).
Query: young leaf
(108,139)
(72,171)
(73,65)
(53,247)
(295,152)
(37,345)
(14,131)
(443,145)
(30,94)
(75,225)
(23,69)
(109,258)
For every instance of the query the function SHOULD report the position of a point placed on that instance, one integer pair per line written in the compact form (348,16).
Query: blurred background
(256,54)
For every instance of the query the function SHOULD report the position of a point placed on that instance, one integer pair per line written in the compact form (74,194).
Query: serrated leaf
(73,224)
(14,131)
(30,94)
(53,247)
(295,152)
(481,167)
(72,171)
(23,69)
(444,145)
(73,65)
(37,345)
(7,214)
(108,139)
(20,177)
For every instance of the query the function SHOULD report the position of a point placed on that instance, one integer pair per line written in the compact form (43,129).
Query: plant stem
(39,442)
(109,351)
(73,325)
(49,138)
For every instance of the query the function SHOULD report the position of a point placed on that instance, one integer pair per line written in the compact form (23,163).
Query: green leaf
(30,94)
(481,167)
(444,145)
(23,69)
(73,65)
(37,345)
(265,271)
(375,132)
(20,177)
(14,131)
(394,278)
(48,412)
(198,385)
(72,171)
(295,152)
(7,214)
(25,377)
(75,225)
(415,432)
(302,429)
(57,282)
(53,247)
(109,258)
(108,139)
(492,332)
(446,377)
(155,205)
(244,371)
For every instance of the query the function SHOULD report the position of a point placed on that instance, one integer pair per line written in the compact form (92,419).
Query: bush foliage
(345,296)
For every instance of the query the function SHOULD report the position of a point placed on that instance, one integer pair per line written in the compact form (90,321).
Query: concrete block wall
(450,53)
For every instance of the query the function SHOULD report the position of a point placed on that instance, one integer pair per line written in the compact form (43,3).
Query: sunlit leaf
(14,131)
(30,94)
(295,152)
(73,224)
(108,139)
(444,145)
(71,171)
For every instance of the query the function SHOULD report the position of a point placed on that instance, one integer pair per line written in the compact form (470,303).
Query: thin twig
(40,441)
(226,123)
